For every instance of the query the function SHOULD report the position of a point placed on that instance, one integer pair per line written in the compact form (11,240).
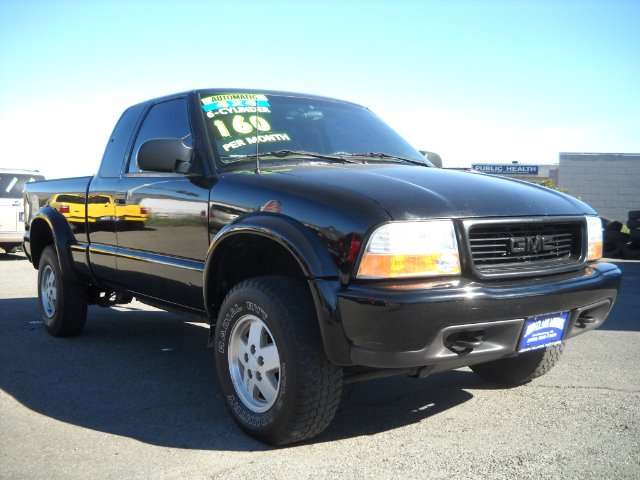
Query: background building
(609,182)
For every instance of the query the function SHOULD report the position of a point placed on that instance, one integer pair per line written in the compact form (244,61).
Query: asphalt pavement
(135,396)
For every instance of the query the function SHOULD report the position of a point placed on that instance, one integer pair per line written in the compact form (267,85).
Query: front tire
(63,304)
(521,369)
(277,381)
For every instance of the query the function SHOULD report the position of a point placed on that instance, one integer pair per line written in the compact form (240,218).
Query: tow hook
(584,321)
(465,342)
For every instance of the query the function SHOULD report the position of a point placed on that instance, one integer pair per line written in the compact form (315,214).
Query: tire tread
(521,369)
(320,381)
(71,310)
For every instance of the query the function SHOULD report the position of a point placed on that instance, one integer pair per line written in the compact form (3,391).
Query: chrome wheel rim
(48,291)
(254,363)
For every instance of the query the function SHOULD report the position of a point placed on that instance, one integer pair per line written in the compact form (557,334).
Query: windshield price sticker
(235,127)
(240,125)
(235,103)
(543,331)
(242,142)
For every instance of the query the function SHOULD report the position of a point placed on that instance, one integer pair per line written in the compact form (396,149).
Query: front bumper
(404,325)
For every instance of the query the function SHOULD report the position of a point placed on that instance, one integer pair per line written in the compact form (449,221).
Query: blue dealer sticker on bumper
(542,331)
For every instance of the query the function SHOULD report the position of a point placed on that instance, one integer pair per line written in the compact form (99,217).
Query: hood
(408,192)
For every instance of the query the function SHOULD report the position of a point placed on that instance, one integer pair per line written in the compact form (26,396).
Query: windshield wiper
(293,153)
(386,156)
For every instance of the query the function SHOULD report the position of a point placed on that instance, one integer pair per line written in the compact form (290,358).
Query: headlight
(411,249)
(594,238)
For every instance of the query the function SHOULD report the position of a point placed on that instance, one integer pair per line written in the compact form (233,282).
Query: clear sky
(476,81)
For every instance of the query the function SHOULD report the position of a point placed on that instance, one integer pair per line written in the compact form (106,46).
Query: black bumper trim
(398,326)
(501,338)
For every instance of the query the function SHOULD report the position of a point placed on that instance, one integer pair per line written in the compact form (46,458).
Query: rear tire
(634,223)
(520,369)
(633,214)
(277,381)
(63,304)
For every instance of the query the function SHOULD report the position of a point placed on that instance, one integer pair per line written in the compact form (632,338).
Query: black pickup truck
(320,247)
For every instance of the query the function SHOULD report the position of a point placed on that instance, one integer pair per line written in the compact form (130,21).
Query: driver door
(161,220)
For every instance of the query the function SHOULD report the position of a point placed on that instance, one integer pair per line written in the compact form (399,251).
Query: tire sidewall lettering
(257,310)
(229,320)
(230,317)
(247,416)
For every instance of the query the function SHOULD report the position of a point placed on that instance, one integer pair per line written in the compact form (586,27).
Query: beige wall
(609,182)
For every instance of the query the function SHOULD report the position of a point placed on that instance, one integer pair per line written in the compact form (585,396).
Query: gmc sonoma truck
(320,247)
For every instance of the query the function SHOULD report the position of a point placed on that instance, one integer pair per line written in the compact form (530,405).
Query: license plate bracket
(542,331)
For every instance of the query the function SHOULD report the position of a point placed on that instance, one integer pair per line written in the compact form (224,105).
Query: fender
(63,239)
(310,253)
(314,260)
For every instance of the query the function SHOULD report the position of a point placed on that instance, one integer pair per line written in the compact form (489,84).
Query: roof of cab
(228,91)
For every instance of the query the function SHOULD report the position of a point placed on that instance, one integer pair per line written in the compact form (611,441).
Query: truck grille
(522,248)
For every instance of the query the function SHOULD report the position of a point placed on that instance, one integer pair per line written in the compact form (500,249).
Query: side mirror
(164,155)
(433,158)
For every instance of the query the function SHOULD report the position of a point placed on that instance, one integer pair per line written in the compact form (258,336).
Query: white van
(11,210)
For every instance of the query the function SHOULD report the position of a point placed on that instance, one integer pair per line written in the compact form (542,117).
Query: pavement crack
(586,387)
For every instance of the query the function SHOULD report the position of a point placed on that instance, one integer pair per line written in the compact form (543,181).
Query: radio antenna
(257,138)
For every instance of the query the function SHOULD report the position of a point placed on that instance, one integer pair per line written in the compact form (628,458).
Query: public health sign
(506,169)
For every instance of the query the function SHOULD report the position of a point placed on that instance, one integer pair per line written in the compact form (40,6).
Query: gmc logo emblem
(534,244)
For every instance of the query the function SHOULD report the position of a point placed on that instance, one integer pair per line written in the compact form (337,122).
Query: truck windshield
(279,123)
(12,184)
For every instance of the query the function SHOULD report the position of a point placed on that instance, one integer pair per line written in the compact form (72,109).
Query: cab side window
(164,120)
